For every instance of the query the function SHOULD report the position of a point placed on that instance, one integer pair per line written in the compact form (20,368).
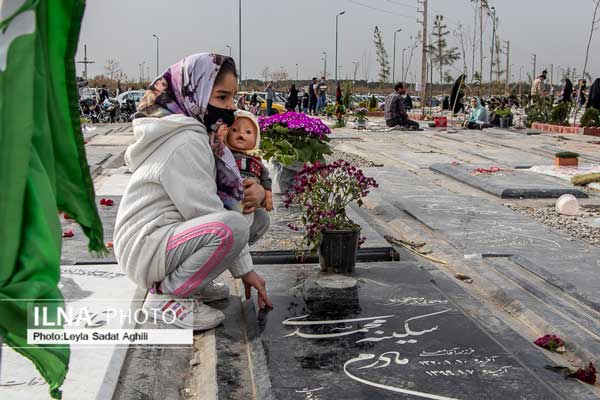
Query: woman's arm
(188,178)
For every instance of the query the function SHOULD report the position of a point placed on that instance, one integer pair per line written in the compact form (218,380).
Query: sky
(282,33)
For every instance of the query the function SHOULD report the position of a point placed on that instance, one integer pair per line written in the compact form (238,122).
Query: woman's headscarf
(479,113)
(457,94)
(594,95)
(185,88)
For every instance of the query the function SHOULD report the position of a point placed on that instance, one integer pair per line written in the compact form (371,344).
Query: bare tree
(281,75)
(265,73)
(382,56)
(587,53)
(113,70)
(474,43)
(414,43)
(441,53)
(460,37)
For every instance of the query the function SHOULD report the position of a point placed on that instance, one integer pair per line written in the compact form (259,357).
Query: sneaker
(213,292)
(184,313)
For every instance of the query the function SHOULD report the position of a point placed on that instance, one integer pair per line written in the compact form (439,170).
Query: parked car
(135,95)
(277,108)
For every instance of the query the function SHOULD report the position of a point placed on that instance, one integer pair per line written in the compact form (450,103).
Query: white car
(136,95)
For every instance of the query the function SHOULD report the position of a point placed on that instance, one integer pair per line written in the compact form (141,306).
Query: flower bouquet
(288,141)
(292,137)
(323,191)
(360,117)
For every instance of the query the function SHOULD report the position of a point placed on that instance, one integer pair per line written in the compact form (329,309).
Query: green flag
(43,168)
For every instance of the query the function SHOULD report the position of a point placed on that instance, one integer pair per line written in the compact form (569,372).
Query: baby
(243,139)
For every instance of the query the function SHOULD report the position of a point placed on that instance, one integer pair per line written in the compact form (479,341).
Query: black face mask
(215,115)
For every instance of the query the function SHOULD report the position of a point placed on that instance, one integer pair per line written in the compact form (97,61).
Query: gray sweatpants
(201,249)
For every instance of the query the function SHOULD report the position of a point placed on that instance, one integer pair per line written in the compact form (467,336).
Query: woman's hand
(253,280)
(254,195)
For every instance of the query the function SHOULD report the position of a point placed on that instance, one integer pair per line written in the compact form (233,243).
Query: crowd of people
(495,111)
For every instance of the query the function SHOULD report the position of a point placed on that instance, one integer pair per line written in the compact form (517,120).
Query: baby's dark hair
(227,67)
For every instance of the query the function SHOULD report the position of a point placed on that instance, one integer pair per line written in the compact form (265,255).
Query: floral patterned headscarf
(185,88)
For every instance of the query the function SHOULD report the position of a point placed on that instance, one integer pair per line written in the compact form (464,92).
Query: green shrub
(503,112)
(560,114)
(538,111)
(591,117)
(372,102)
(566,154)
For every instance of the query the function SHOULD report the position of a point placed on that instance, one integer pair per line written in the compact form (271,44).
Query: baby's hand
(268,203)
(222,132)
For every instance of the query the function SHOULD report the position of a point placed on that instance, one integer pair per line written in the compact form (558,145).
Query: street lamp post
(156,36)
(240,39)
(403,51)
(336,44)
(229,47)
(394,59)
(297,72)
(324,64)
(493,44)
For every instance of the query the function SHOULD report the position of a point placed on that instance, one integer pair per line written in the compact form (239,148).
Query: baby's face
(242,135)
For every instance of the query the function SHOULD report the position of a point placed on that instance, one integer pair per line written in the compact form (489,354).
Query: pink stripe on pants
(225,236)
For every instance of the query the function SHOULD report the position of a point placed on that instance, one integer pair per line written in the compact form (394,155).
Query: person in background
(581,93)
(537,87)
(292,100)
(103,94)
(269,97)
(305,101)
(408,102)
(312,93)
(322,95)
(241,103)
(395,114)
(594,97)
(567,92)
(254,104)
(478,117)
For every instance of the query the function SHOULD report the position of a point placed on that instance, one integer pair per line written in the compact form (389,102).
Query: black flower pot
(283,176)
(337,252)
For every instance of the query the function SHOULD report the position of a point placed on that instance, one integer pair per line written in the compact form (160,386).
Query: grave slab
(476,226)
(507,183)
(390,331)
(114,186)
(281,237)
(111,140)
(93,372)
(75,249)
(565,173)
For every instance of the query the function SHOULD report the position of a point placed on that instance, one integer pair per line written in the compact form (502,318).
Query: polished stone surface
(508,183)
(477,226)
(75,249)
(93,370)
(398,333)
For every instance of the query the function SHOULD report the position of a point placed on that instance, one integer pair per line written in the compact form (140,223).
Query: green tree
(442,55)
(382,56)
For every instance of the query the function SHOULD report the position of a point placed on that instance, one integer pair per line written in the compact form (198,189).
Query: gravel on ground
(356,160)
(577,227)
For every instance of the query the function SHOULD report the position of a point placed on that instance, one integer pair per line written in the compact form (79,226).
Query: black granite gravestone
(508,183)
(393,333)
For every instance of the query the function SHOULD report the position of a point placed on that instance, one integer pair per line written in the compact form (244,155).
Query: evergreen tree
(439,50)
(382,56)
